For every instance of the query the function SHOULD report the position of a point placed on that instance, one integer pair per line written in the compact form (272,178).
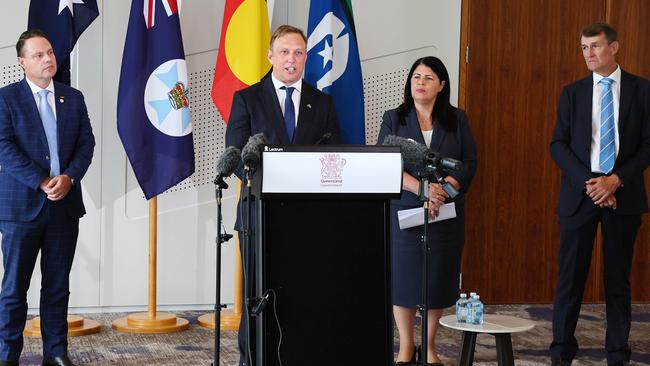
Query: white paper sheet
(414,216)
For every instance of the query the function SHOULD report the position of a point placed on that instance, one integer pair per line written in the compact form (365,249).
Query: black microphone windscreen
(228,161)
(412,152)
(252,151)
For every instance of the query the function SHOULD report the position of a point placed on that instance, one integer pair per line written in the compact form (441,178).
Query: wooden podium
(323,254)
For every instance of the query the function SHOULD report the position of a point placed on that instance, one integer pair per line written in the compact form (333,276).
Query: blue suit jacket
(571,144)
(24,153)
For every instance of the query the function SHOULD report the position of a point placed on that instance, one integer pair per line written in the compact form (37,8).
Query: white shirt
(282,94)
(427,137)
(50,96)
(595,115)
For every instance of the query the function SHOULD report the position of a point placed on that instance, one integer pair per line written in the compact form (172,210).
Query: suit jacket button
(47,157)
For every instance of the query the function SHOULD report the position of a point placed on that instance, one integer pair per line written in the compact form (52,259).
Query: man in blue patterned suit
(46,145)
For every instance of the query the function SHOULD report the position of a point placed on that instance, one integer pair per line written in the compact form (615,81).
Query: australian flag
(63,21)
(333,64)
(153,102)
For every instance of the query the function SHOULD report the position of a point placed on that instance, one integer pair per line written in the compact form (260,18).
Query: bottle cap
(472,294)
(463,295)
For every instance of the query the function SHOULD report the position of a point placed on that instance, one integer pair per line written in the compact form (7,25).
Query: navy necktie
(49,125)
(607,132)
(289,113)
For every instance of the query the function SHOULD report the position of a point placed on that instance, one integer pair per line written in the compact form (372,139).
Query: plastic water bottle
(478,310)
(470,308)
(461,308)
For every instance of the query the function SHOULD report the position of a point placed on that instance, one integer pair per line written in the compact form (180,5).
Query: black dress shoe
(57,361)
(8,363)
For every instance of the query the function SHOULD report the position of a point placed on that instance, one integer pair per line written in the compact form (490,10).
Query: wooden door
(521,54)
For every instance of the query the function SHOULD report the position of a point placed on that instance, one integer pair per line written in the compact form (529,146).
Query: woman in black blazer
(427,117)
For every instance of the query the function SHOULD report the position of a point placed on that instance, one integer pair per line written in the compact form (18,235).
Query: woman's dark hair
(444,112)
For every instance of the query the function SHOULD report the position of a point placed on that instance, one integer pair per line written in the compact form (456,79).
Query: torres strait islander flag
(243,47)
(153,103)
(333,63)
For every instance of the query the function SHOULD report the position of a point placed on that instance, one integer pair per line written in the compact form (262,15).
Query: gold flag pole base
(142,323)
(229,320)
(77,326)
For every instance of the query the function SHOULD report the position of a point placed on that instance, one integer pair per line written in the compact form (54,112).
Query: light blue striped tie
(607,132)
(49,125)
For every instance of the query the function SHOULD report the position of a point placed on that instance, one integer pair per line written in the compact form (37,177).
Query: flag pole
(151,322)
(153,256)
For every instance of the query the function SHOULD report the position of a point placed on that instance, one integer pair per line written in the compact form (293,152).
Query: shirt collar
(278,84)
(35,88)
(616,76)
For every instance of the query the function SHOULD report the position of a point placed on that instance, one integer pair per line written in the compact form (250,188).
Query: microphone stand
(423,196)
(429,172)
(219,186)
(246,253)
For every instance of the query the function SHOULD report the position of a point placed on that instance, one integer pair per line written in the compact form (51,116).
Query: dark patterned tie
(289,113)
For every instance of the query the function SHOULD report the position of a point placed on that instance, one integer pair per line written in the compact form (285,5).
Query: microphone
(433,158)
(252,151)
(227,163)
(416,154)
(324,139)
(412,152)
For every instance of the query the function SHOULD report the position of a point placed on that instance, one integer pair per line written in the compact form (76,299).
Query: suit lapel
(34,118)
(413,127)
(625,100)
(305,114)
(439,135)
(584,118)
(61,113)
(272,109)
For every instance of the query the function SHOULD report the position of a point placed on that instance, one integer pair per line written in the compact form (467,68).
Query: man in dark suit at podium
(282,106)
(46,145)
(285,109)
(601,142)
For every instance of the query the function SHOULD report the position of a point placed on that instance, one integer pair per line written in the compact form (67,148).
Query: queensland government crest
(332,170)
(166,99)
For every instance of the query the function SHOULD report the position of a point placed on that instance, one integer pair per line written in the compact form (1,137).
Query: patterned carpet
(195,346)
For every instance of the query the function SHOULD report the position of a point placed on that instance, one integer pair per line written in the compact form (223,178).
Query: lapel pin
(309,106)
(61,99)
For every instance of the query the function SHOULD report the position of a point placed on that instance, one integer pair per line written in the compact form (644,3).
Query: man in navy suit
(284,108)
(601,142)
(261,107)
(46,145)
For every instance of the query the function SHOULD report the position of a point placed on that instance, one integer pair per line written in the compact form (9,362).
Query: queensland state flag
(63,21)
(153,102)
(333,64)
(243,46)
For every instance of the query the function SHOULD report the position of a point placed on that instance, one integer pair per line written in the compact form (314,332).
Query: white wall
(110,269)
